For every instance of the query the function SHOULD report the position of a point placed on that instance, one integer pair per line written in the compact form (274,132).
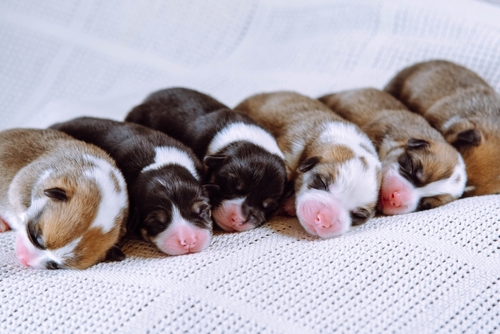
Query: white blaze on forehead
(355,185)
(448,185)
(340,133)
(167,155)
(244,132)
(112,202)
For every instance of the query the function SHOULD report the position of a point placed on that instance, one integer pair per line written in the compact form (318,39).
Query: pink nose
(188,242)
(322,221)
(394,199)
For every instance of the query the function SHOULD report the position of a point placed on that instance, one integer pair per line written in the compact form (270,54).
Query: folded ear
(308,164)
(471,137)
(57,194)
(415,143)
(115,254)
(215,160)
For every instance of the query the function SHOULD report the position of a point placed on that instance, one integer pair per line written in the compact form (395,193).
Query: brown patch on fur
(63,221)
(442,91)
(338,153)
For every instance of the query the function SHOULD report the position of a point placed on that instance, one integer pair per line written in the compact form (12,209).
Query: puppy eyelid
(34,236)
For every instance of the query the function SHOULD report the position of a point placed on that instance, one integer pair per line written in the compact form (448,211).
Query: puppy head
(482,162)
(249,186)
(337,189)
(74,217)
(420,175)
(172,211)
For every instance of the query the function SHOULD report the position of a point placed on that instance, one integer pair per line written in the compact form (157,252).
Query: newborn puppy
(66,199)
(334,166)
(169,206)
(420,170)
(245,166)
(464,108)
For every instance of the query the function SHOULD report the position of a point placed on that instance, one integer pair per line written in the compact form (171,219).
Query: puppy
(66,199)
(244,164)
(168,204)
(464,108)
(334,166)
(420,170)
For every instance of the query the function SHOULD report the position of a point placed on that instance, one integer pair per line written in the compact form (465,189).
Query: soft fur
(169,206)
(66,199)
(464,108)
(245,168)
(334,166)
(420,170)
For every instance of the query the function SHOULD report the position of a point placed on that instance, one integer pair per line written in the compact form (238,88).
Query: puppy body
(169,206)
(66,199)
(334,166)
(420,170)
(464,108)
(244,164)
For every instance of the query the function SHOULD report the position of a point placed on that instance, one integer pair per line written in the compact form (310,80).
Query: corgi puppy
(420,170)
(464,108)
(169,207)
(67,200)
(245,168)
(333,165)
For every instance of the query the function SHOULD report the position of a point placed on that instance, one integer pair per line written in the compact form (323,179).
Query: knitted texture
(424,272)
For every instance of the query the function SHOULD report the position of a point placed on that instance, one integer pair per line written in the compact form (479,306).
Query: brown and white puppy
(464,108)
(420,170)
(66,199)
(334,166)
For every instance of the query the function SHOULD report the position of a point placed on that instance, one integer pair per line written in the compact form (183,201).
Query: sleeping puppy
(245,167)
(420,170)
(169,207)
(66,199)
(334,166)
(464,108)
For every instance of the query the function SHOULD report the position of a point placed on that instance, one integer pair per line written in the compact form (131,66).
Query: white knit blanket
(425,272)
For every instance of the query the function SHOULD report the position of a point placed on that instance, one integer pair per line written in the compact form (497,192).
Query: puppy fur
(334,166)
(245,168)
(464,108)
(66,199)
(168,204)
(420,170)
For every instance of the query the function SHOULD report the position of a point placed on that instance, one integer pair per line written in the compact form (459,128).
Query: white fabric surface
(426,272)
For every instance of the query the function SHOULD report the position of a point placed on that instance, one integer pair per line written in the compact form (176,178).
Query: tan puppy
(464,108)
(420,170)
(334,166)
(66,199)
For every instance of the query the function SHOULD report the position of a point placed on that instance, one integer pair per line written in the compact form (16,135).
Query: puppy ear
(115,254)
(215,160)
(211,189)
(57,194)
(308,164)
(415,143)
(471,137)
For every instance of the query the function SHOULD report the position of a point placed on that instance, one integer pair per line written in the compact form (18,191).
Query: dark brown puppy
(420,170)
(464,108)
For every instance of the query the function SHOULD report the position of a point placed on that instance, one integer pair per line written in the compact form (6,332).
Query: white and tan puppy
(464,108)
(334,166)
(66,199)
(420,170)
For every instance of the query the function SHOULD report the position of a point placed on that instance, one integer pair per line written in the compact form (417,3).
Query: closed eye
(359,216)
(412,171)
(318,183)
(35,235)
